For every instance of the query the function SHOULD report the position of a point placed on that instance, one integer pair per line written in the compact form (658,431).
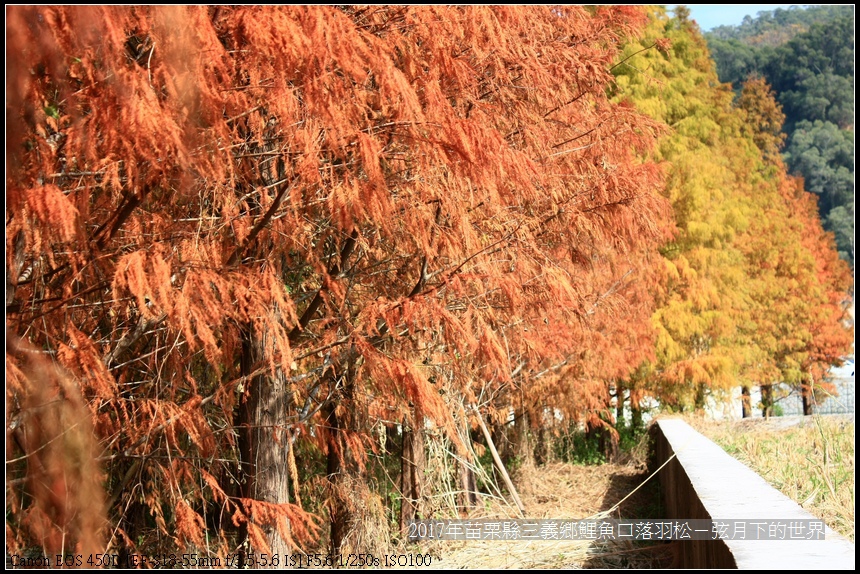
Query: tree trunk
(767,401)
(700,397)
(522,445)
(334,472)
(636,415)
(619,402)
(389,432)
(467,498)
(608,443)
(412,461)
(541,453)
(264,439)
(344,475)
(807,398)
(746,402)
(500,439)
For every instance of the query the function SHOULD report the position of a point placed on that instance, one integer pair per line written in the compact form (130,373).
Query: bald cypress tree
(245,230)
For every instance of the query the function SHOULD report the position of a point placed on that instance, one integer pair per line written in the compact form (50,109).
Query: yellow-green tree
(740,291)
(702,302)
(799,283)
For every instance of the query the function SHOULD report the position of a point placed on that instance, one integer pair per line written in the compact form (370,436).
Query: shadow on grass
(644,503)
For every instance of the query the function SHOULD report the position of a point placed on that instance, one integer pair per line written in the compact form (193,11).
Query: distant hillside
(807,56)
(776,27)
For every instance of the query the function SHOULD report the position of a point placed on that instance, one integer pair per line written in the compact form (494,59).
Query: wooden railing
(701,481)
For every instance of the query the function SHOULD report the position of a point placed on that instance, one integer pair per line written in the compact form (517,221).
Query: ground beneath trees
(565,491)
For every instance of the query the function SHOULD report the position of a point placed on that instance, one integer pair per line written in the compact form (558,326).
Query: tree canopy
(246,232)
(256,254)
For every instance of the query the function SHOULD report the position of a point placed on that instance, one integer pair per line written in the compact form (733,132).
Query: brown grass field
(565,491)
(809,459)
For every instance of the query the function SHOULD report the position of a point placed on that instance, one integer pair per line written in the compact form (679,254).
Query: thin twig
(148,62)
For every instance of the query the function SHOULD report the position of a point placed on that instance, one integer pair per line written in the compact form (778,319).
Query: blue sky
(711,15)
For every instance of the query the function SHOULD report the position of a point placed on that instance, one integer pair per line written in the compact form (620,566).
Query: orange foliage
(50,451)
(400,208)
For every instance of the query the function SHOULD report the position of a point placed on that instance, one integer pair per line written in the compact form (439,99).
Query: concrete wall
(703,482)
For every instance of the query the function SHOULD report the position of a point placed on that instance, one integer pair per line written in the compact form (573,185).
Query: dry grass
(562,491)
(809,459)
(367,529)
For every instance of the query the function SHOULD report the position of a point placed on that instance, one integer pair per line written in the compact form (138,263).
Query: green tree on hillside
(775,27)
(809,62)
(825,155)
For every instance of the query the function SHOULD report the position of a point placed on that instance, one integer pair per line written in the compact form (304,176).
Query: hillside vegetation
(807,56)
